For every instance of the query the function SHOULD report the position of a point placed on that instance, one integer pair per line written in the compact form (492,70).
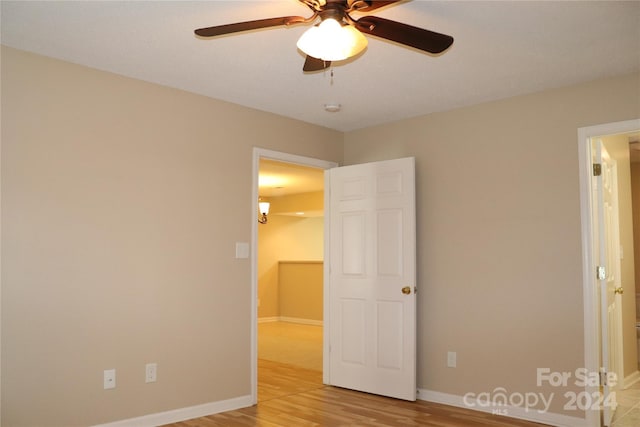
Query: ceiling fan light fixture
(331,41)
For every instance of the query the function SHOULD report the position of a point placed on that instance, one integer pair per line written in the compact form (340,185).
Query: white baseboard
(290,320)
(183,414)
(518,412)
(301,321)
(631,380)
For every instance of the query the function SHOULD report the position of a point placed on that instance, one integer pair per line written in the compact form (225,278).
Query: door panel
(389,321)
(372,258)
(390,254)
(353,243)
(353,332)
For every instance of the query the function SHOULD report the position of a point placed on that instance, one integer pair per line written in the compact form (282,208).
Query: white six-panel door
(372,278)
(607,252)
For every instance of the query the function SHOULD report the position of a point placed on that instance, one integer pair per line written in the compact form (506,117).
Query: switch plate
(109,378)
(242,250)
(451,359)
(151,372)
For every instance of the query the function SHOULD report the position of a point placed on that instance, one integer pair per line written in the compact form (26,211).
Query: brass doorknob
(406,290)
(619,291)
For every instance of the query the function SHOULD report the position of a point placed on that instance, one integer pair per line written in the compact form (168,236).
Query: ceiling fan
(338,36)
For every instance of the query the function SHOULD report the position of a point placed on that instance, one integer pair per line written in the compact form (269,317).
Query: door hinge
(601,272)
(603,378)
(597,169)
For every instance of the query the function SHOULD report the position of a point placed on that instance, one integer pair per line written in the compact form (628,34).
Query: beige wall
(300,290)
(121,205)
(499,239)
(284,238)
(635,191)
(116,253)
(618,148)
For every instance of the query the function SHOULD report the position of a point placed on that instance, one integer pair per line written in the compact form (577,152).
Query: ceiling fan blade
(220,30)
(314,64)
(408,35)
(375,4)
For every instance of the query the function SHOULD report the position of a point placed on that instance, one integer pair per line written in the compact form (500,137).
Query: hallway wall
(284,238)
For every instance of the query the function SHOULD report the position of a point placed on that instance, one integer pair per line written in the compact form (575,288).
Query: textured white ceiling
(501,49)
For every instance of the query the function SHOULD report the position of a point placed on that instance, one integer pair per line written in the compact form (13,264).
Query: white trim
(264,153)
(298,320)
(518,412)
(301,321)
(591,338)
(183,414)
(630,380)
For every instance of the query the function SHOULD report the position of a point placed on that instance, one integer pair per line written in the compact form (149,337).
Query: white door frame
(263,153)
(590,297)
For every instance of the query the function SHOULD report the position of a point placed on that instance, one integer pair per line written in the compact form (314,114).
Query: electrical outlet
(109,378)
(451,359)
(151,372)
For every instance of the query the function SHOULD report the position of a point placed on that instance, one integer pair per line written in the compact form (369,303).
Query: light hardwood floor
(292,395)
(279,380)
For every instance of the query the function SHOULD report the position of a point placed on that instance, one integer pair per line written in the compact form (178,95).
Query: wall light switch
(242,250)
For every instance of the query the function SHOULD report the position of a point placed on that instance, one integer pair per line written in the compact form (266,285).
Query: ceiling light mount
(332,107)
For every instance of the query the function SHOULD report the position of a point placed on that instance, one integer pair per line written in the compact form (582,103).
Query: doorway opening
(287,275)
(610,338)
